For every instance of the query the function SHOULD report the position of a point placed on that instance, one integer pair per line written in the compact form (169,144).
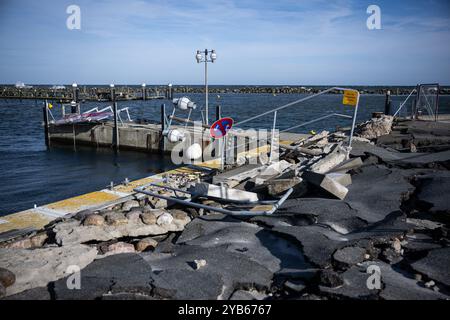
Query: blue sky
(257,42)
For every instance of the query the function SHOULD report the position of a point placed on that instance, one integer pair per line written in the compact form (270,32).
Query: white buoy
(184,103)
(194,152)
(175,136)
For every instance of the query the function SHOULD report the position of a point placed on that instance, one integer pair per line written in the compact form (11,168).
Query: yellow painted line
(82,202)
(24,219)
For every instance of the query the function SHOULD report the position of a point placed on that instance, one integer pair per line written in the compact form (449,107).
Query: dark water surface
(30,174)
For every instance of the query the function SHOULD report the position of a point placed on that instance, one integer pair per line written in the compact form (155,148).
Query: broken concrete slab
(121,273)
(343,179)
(331,160)
(317,245)
(349,256)
(38,267)
(347,165)
(377,191)
(395,284)
(232,270)
(326,183)
(435,265)
(235,176)
(248,295)
(337,214)
(420,242)
(433,189)
(278,255)
(276,168)
(319,242)
(276,187)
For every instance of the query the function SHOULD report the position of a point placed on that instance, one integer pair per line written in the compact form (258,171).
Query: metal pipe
(116,127)
(404,102)
(353,123)
(317,120)
(292,103)
(273,135)
(206,87)
(220,210)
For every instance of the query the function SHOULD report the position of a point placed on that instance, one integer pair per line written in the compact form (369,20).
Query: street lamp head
(74,85)
(198,56)
(111,85)
(213,55)
(143,85)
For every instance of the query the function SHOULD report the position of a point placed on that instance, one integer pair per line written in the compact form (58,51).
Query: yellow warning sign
(350,97)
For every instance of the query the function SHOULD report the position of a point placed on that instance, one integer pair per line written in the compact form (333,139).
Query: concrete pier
(138,137)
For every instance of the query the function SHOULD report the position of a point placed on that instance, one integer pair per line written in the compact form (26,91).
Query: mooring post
(218,112)
(46,132)
(163,128)
(116,128)
(169,92)
(387,103)
(144,92)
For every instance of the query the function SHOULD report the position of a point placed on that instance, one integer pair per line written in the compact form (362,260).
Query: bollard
(218,112)
(163,128)
(46,132)
(116,128)
(387,103)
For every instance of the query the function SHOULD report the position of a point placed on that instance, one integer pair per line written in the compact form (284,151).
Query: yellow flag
(350,97)
(49,105)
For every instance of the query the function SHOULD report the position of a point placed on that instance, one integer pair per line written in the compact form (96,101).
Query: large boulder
(376,127)
(38,267)
(72,232)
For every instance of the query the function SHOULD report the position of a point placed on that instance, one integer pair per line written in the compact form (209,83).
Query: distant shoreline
(136,92)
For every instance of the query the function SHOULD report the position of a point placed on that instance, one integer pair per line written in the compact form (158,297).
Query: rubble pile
(364,223)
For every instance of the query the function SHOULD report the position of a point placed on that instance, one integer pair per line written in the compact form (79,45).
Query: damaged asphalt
(394,219)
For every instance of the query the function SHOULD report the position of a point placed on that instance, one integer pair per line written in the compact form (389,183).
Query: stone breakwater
(101,93)
(385,208)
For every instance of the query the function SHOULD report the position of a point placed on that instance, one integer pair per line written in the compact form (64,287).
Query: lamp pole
(206,56)
(116,128)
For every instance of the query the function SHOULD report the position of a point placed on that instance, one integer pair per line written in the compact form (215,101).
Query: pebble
(35,241)
(397,246)
(116,219)
(133,215)
(128,205)
(200,263)
(296,286)
(120,247)
(94,220)
(178,214)
(430,284)
(164,219)
(7,278)
(159,203)
(418,277)
(145,244)
(148,218)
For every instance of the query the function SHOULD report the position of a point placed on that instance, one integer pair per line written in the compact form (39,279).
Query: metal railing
(422,100)
(404,102)
(275,204)
(276,110)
